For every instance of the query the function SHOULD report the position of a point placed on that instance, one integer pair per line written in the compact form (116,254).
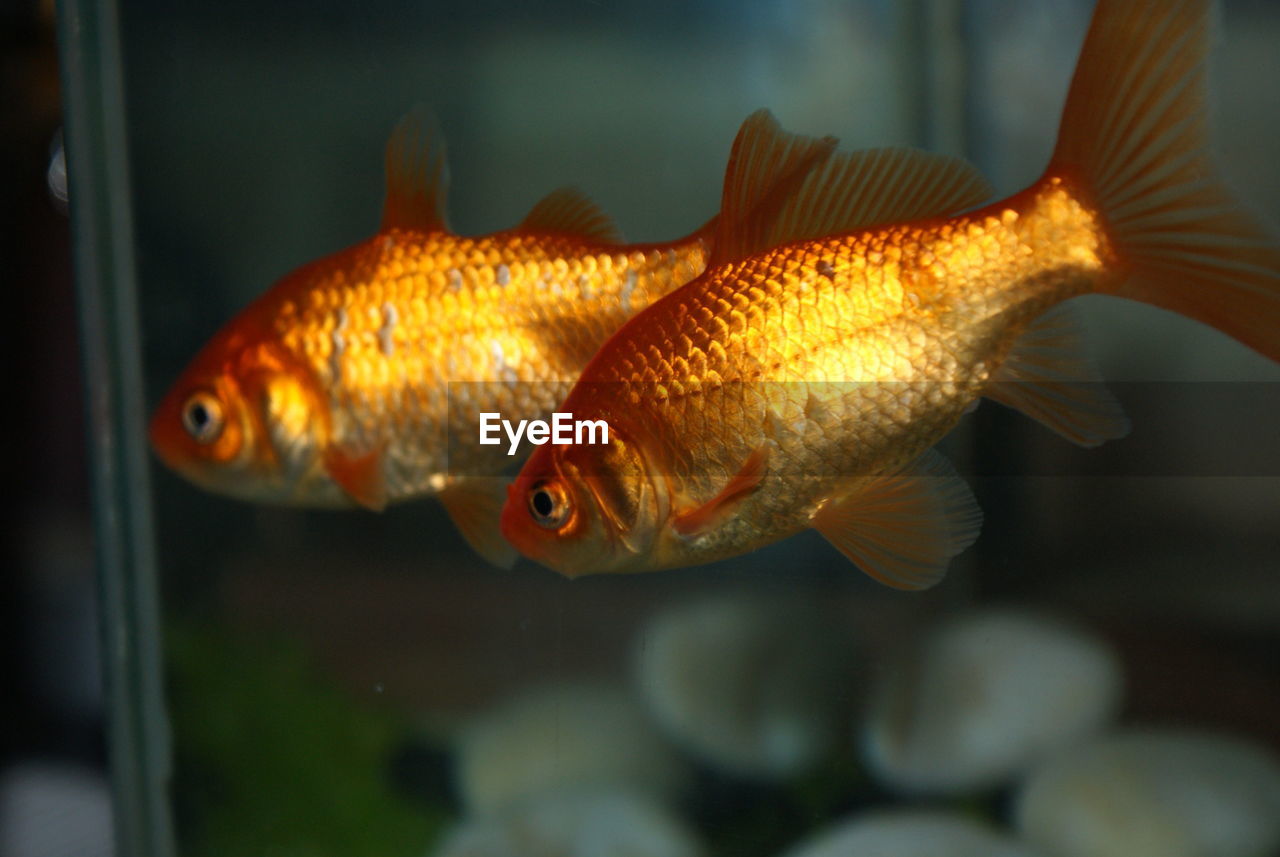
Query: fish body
(388,346)
(359,379)
(341,385)
(802,380)
(842,360)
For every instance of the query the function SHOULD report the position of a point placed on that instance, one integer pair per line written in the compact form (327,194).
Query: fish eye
(548,504)
(202,417)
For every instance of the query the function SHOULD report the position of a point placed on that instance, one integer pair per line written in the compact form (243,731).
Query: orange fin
(694,522)
(359,475)
(766,165)
(861,190)
(1135,131)
(904,529)
(569,211)
(1049,377)
(417,175)
(475,505)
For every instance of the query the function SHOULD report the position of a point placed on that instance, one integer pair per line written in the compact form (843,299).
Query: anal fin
(474,505)
(903,529)
(1049,376)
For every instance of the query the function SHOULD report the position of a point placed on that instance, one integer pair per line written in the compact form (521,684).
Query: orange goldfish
(802,380)
(333,388)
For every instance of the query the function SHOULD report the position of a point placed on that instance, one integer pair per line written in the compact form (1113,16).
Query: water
(326,683)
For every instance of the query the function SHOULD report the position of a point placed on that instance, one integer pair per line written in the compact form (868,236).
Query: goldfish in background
(802,380)
(333,388)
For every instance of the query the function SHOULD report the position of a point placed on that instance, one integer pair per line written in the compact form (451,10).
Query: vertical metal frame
(102,227)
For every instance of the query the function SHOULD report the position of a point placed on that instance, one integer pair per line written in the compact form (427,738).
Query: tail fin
(1135,130)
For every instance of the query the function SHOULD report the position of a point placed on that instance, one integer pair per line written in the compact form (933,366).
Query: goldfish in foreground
(334,388)
(802,380)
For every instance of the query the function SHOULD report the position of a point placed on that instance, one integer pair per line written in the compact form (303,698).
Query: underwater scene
(885,555)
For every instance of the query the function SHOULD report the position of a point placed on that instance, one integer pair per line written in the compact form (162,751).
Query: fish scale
(842,360)
(487,337)
(842,338)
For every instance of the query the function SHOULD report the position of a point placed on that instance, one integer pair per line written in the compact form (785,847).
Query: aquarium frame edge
(138,736)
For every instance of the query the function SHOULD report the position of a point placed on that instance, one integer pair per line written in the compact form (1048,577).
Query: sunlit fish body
(802,380)
(339,386)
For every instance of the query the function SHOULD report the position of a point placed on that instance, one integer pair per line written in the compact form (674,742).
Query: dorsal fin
(860,190)
(417,174)
(766,166)
(569,211)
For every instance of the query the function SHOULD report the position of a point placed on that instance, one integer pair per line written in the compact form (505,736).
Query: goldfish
(340,386)
(803,379)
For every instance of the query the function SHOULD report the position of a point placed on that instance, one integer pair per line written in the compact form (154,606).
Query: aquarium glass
(302,682)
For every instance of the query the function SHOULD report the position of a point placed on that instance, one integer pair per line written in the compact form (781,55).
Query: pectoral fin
(701,519)
(904,529)
(1049,377)
(360,475)
(475,505)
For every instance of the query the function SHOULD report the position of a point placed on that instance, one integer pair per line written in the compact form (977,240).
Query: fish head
(586,509)
(241,420)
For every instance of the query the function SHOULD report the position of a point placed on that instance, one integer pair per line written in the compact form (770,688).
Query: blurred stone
(51,810)
(574,823)
(1157,793)
(756,685)
(565,735)
(910,833)
(985,697)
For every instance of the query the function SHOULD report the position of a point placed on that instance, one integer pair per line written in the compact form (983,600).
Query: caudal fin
(1135,131)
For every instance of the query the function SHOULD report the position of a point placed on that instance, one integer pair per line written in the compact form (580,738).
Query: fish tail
(1134,134)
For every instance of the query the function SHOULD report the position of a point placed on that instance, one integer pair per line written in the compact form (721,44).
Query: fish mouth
(162,434)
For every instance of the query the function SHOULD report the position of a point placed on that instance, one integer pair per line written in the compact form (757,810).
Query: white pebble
(751,684)
(565,735)
(984,698)
(1157,793)
(910,833)
(574,823)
